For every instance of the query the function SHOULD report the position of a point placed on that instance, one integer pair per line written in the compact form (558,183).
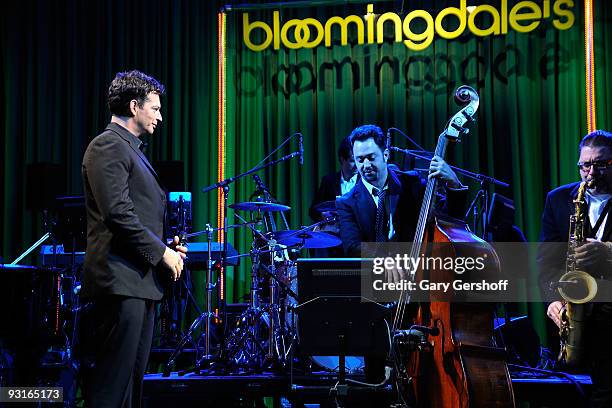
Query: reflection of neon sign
(523,17)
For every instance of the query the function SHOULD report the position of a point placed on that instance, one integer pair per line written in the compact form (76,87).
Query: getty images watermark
(399,273)
(458,272)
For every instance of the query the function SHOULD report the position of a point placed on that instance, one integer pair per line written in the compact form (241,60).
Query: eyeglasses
(597,164)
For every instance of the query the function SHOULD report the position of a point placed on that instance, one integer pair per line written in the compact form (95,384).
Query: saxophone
(577,288)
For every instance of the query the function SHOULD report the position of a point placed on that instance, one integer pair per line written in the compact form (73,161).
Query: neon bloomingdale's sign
(523,17)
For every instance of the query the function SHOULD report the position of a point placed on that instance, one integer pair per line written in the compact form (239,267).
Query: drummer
(335,184)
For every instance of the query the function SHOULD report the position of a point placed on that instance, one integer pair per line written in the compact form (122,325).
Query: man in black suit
(402,191)
(126,259)
(362,219)
(338,183)
(594,256)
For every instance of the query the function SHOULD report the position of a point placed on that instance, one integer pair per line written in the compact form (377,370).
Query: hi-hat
(306,239)
(259,206)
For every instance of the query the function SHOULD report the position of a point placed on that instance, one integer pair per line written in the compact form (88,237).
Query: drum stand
(206,317)
(258,341)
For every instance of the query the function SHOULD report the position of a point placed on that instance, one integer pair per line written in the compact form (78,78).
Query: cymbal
(306,239)
(9,266)
(259,206)
(326,206)
(21,268)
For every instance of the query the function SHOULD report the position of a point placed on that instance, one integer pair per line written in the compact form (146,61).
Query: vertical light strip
(221,137)
(589,59)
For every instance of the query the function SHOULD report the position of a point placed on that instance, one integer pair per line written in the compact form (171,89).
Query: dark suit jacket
(329,189)
(125,218)
(555,228)
(357,211)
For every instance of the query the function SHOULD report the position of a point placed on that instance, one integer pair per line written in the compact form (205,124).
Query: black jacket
(357,211)
(125,218)
(551,259)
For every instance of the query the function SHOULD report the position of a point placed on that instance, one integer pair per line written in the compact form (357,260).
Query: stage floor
(274,390)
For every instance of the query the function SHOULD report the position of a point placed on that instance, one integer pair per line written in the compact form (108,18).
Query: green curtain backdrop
(531,116)
(59,57)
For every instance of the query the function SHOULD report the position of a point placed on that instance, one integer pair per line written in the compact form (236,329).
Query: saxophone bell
(577,287)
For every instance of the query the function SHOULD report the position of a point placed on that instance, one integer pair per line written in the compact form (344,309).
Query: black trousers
(116,336)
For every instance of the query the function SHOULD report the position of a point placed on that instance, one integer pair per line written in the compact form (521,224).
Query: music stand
(71,225)
(333,317)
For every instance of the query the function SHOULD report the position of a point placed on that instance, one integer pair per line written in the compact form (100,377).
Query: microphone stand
(482,196)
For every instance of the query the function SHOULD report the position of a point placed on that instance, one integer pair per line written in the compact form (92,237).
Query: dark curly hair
(364,132)
(131,85)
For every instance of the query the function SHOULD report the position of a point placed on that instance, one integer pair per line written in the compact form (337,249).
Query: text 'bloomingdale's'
(523,17)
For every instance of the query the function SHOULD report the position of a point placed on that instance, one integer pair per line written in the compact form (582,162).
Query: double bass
(460,366)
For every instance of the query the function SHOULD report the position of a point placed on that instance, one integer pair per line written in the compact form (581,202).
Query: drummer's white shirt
(347,185)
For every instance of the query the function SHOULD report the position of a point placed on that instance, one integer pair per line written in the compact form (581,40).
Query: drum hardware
(260,337)
(259,206)
(306,238)
(233,343)
(204,317)
(264,336)
(224,185)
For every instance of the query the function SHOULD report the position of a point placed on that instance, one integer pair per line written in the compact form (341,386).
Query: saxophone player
(593,254)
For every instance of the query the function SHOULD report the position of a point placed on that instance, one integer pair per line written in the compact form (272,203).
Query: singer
(125,219)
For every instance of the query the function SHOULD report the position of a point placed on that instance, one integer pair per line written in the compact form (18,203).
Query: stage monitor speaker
(171,174)
(44,182)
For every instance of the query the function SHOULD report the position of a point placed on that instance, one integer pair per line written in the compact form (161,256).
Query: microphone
(301,146)
(389,138)
(260,183)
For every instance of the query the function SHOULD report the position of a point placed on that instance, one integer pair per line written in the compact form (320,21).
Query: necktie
(381,233)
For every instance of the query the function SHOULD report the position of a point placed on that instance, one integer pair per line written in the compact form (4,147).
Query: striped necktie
(381,227)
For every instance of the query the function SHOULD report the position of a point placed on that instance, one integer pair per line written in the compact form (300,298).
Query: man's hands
(173,258)
(593,253)
(439,168)
(554,312)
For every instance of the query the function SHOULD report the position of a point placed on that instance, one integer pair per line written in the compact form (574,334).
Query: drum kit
(264,335)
